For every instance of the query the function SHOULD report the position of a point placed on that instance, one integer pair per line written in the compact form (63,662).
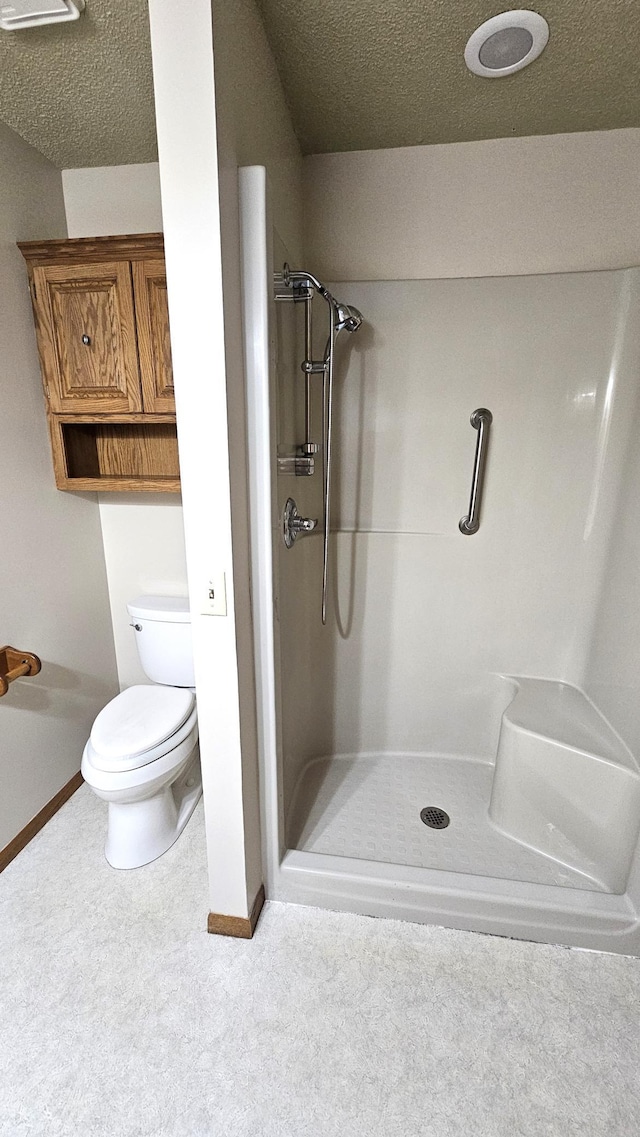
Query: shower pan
(450,735)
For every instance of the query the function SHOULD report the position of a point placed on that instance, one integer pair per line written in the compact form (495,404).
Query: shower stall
(447,673)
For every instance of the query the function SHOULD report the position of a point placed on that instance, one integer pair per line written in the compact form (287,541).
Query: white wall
(143,534)
(254,128)
(200,207)
(54,598)
(509,206)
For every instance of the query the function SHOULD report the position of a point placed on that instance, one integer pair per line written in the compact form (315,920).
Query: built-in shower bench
(565,784)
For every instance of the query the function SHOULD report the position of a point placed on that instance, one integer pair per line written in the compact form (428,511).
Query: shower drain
(434,817)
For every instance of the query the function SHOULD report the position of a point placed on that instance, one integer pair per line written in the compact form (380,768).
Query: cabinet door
(154,344)
(87,337)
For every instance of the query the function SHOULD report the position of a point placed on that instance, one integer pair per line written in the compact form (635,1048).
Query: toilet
(142,756)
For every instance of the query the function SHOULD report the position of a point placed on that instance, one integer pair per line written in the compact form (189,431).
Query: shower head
(346,317)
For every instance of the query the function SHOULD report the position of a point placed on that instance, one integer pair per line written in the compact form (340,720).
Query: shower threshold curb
(518,910)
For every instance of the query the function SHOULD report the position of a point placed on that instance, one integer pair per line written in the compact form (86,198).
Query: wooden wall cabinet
(102,325)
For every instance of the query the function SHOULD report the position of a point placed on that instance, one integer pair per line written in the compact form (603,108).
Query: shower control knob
(293,525)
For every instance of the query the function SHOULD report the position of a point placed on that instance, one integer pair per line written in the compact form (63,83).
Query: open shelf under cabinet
(135,453)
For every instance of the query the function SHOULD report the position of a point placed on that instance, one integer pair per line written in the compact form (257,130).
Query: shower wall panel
(425,617)
(612,676)
(305,669)
(496,207)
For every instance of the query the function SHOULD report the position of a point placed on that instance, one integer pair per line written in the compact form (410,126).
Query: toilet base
(139,832)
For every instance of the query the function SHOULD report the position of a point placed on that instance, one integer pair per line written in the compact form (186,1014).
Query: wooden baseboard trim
(242,927)
(36,824)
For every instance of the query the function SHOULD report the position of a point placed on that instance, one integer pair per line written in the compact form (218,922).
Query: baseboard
(36,824)
(242,927)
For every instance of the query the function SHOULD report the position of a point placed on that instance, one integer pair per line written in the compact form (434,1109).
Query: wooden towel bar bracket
(14,664)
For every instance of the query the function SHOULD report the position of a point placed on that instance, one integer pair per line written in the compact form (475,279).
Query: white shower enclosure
(494,677)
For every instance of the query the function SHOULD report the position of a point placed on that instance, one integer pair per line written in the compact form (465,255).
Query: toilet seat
(116,782)
(139,726)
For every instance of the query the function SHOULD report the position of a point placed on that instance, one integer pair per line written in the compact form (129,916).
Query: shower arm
(291,277)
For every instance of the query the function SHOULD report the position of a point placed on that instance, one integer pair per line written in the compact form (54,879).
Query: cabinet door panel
(87,337)
(154,344)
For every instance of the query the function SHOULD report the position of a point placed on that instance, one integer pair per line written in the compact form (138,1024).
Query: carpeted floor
(121,1017)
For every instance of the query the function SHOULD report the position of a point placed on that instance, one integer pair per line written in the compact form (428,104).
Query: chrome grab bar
(481,421)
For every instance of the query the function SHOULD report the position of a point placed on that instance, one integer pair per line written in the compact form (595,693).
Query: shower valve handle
(293,525)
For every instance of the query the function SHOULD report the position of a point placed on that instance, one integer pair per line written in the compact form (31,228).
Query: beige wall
(54,591)
(143,538)
(143,534)
(253,120)
(102,201)
(510,206)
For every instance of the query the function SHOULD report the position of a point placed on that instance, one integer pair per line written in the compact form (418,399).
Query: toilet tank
(163,637)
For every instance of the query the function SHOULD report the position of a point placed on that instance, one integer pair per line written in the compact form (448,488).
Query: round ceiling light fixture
(506,43)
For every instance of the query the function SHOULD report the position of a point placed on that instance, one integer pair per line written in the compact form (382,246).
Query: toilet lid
(139,719)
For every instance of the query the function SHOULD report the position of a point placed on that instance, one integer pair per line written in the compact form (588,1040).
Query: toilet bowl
(142,757)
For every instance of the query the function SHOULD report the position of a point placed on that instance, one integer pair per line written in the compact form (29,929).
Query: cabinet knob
(86,340)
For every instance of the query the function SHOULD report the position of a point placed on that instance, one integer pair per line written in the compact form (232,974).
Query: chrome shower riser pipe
(340,316)
(309,446)
(328,403)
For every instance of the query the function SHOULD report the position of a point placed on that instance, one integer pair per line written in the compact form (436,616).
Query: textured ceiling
(358,74)
(368,74)
(82,92)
